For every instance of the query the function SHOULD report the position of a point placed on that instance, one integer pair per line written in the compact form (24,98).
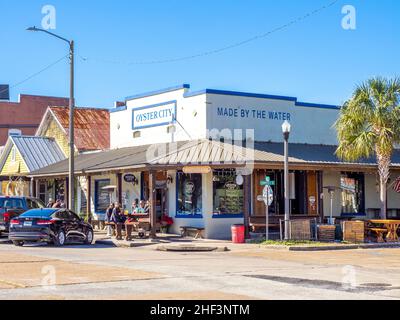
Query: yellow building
(22,155)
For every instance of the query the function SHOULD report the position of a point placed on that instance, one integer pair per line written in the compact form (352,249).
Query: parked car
(12,207)
(54,226)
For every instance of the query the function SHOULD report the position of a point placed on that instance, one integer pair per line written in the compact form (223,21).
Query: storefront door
(312,193)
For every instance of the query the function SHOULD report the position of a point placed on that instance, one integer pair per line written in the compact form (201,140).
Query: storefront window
(189,202)
(228,195)
(352,197)
(102,197)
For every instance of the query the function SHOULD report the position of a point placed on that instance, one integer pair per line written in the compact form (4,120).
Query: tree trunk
(383,198)
(384,173)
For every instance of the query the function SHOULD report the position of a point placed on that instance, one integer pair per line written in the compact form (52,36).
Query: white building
(196,184)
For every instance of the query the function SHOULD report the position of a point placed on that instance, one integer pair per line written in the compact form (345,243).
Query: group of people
(116,216)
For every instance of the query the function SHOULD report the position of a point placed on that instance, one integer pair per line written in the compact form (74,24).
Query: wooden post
(152,198)
(320,192)
(119,188)
(89,199)
(32,187)
(66,196)
(246,201)
(36,192)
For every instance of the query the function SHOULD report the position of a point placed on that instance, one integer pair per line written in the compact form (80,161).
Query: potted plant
(166,222)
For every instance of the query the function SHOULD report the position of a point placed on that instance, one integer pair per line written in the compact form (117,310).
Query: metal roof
(37,152)
(201,152)
(91,126)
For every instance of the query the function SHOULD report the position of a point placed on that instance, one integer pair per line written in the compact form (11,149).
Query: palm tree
(369,124)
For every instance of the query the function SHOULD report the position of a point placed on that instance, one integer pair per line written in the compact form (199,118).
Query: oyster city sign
(154,115)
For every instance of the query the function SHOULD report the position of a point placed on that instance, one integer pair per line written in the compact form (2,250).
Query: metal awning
(204,152)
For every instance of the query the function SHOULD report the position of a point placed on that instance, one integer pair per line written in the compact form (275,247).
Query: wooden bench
(379,233)
(186,229)
(259,222)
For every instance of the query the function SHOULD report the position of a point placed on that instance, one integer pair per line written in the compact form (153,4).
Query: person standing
(109,213)
(118,218)
(51,203)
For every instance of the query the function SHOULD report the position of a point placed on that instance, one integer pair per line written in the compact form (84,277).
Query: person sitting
(141,208)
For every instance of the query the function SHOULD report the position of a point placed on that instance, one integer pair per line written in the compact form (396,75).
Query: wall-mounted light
(170,179)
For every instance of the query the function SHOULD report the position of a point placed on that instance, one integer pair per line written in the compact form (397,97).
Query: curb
(346,247)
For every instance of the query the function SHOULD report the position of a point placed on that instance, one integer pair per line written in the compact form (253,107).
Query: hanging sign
(196,169)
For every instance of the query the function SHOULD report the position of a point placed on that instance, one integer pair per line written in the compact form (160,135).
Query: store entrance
(161,201)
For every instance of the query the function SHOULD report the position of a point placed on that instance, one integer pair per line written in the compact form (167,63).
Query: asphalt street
(245,272)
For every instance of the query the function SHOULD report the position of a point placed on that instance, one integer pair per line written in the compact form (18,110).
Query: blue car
(53,226)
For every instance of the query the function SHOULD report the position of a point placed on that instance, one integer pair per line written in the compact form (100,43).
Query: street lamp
(286,127)
(71,180)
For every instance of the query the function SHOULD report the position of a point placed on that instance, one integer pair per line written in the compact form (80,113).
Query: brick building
(25,115)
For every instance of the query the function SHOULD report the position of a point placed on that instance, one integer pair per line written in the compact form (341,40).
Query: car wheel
(18,243)
(59,239)
(89,237)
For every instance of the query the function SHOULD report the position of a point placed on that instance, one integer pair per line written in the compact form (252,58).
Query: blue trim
(315,105)
(141,185)
(118,109)
(154,106)
(239,94)
(95,193)
(228,216)
(154,93)
(261,96)
(189,216)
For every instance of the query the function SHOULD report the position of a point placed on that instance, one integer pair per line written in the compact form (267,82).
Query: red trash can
(238,233)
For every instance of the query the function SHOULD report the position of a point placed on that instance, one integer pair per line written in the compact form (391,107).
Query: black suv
(11,207)
(54,226)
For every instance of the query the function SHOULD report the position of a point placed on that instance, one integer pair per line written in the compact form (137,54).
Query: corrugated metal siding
(92,127)
(38,152)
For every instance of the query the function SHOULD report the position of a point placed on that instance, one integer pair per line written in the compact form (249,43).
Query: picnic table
(390,226)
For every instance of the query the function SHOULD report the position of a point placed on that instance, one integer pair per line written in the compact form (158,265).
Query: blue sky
(315,60)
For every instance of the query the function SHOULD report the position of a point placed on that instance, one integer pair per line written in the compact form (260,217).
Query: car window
(11,203)
(39,203)
(31,204)
(73,216)
(63,215)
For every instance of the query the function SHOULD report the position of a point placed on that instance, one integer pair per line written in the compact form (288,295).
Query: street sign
(267,182)
(268,195)
(268,198)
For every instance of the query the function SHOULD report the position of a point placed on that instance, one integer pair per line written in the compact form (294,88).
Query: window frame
(228,214)
(180,214)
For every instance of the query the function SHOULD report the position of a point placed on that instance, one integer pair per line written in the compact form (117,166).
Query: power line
(35,74)
(219,50)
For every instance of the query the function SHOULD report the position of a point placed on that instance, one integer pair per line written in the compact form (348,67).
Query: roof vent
(4,92)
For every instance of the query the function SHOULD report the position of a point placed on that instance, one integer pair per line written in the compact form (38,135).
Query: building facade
(202,158)
(23,117)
